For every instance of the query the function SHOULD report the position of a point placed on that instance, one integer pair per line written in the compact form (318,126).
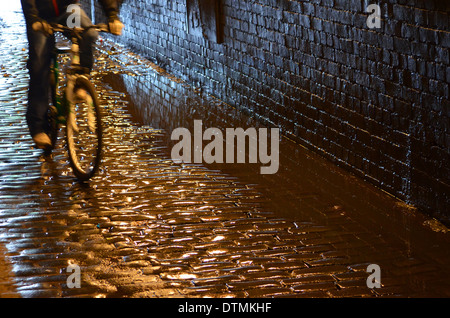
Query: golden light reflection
(218,238)
(183,276)
(217,252)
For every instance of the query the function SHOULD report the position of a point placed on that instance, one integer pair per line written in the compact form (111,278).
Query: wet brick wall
(373,100)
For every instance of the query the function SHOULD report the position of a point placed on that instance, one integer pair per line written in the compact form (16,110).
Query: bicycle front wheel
(84,130)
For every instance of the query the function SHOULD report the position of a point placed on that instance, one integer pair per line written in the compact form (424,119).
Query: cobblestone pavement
(147,227)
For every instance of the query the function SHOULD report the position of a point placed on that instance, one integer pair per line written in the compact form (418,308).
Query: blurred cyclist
(38,16)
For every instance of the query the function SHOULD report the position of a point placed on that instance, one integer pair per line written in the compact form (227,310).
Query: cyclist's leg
(40,50)
(88,40)
(87,43)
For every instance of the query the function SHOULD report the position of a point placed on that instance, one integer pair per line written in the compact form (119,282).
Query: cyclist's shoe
(42,141)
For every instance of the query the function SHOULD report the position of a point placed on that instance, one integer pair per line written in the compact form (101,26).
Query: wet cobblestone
(147,227)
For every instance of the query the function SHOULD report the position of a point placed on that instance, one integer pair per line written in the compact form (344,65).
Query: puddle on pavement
(306,187)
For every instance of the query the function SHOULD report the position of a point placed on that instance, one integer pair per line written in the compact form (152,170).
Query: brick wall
(372,100)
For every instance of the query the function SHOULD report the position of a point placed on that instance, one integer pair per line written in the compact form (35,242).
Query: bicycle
(77,107)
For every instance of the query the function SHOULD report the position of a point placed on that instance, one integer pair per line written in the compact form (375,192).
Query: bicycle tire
(84,131)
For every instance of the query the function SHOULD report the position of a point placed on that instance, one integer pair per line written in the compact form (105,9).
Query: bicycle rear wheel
(84,130)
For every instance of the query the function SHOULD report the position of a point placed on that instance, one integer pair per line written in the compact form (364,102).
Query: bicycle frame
(58,101)
(61,103)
